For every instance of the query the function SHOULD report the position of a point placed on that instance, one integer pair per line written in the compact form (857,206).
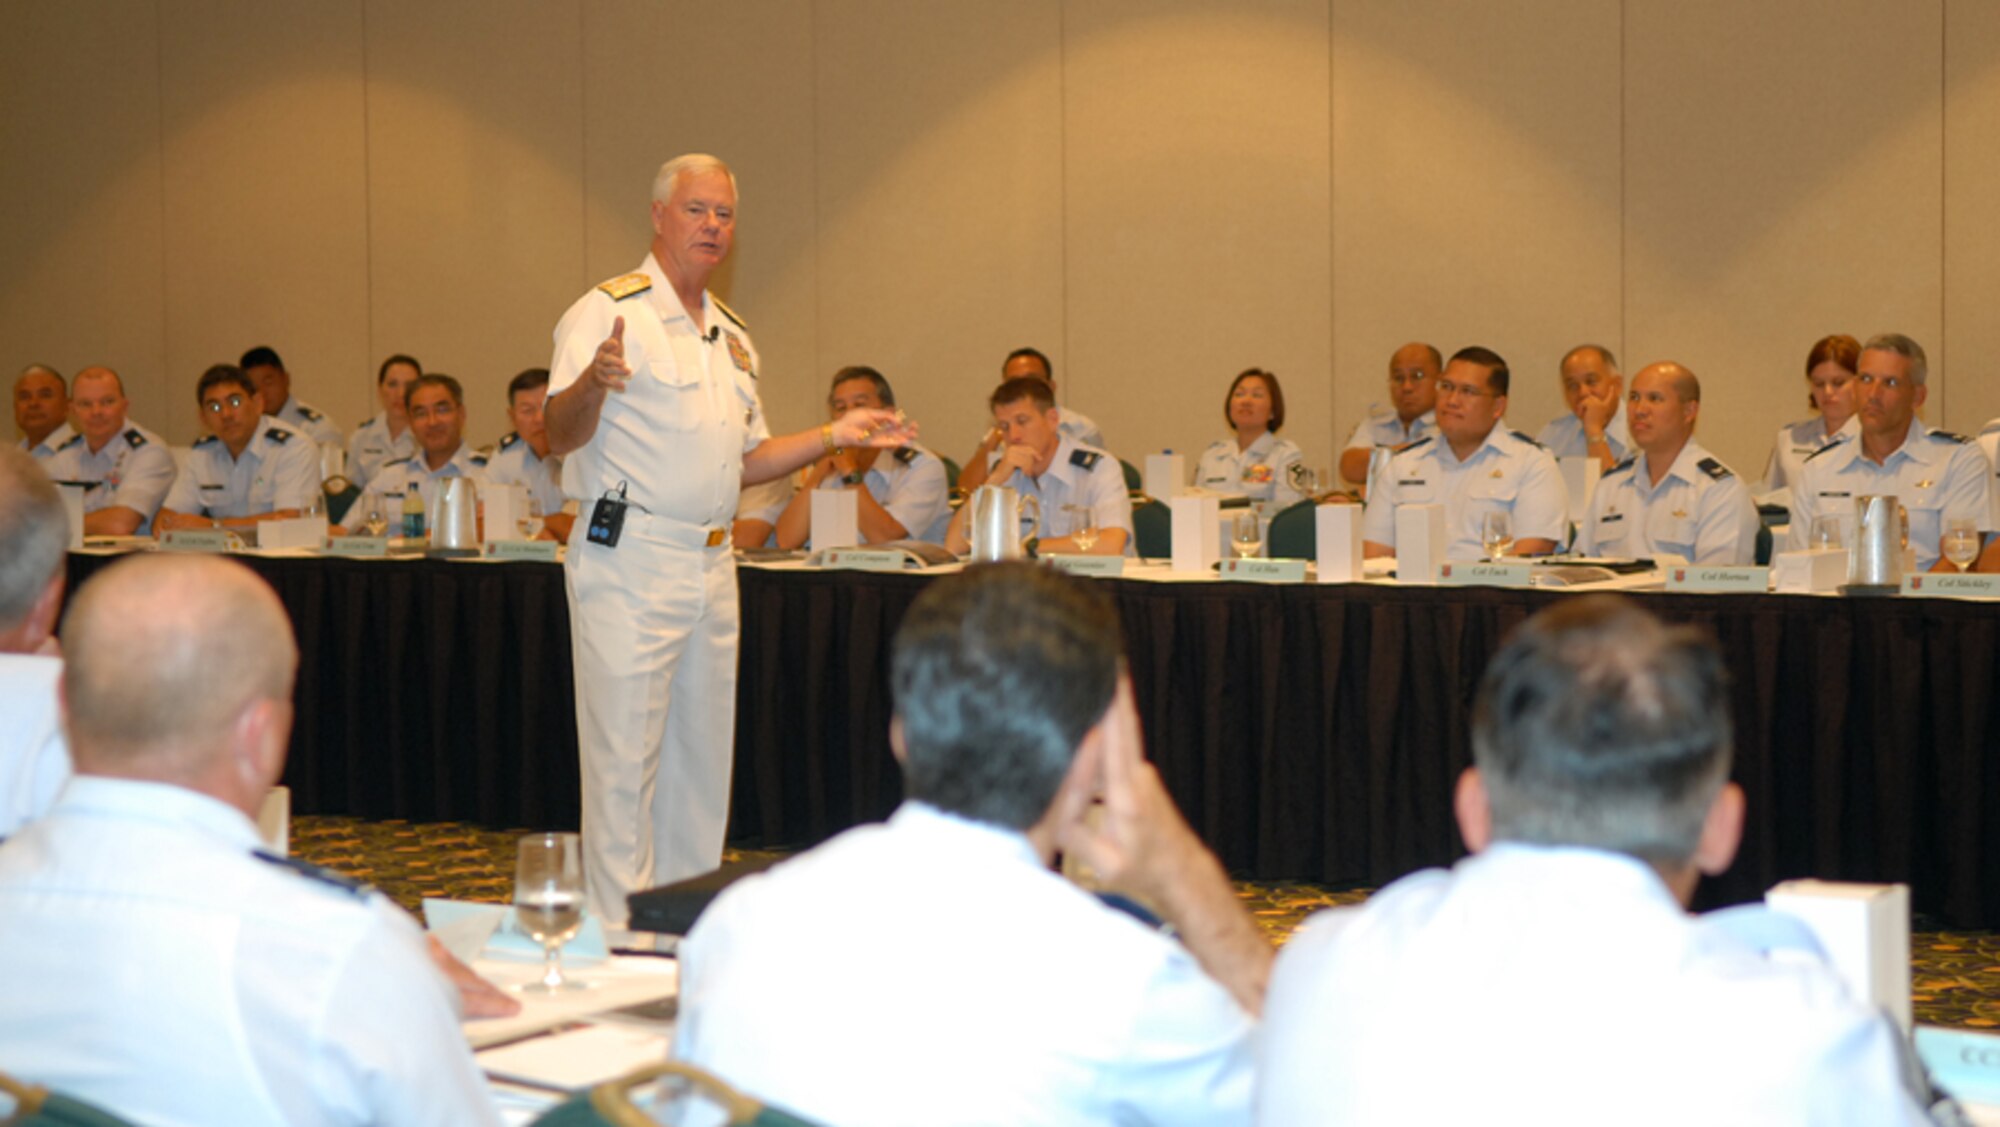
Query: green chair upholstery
(1153,530)
(610,1104)
(1134,483)
(340,496)
(1763,558)
(36,1106)
(950,472)
(1293,534)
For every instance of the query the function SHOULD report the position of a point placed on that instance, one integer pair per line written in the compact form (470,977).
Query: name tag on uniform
(1461,574)
(1946,586)
(1265,571)
(1101,567)
(1752,580)
(196,540)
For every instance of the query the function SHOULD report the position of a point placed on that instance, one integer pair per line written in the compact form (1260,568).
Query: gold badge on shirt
(737,352)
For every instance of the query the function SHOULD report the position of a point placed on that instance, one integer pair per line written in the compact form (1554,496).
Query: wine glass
(548,901)
(1961,542)
(1247,534)
(373,522)
(1825,532)
(1496,532)
(1083,527)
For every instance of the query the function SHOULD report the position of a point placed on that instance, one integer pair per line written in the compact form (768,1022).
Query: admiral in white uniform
(1936,474)
(653,404)
(1672,496)
(1475,466)
(248,468)
(124,468)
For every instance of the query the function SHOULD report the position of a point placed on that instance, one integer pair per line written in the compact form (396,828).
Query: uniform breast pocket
(1926,508)
(1677,531)
(673,396)
(1492,495)
(1610,533)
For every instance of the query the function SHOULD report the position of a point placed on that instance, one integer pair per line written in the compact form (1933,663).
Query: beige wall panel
(1775,195)
(475,198)
(1971,394)
(940,200)
(1476,189)
(1197,210)
(265,196)
(736,80)
(82,237)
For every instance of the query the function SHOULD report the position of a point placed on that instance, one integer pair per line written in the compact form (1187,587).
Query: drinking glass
(1247,534)
(1496,533)
(373,522)
(530,524)
(1082,527)
(1961,542)
(1825,532)
(548,901)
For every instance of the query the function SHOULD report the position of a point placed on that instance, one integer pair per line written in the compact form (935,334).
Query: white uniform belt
(677,532)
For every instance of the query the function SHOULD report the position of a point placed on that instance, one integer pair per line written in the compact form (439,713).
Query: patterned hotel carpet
(1955,974)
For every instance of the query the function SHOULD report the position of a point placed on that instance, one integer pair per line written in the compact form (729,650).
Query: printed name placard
(1459,573)
(372,547)
(1265,571)
(1101,567)
(540,551)
(862,559)
(196,540)
(1693,577)
(1944,585)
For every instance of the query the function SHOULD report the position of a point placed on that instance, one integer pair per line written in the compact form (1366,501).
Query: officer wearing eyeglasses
(249,468)
(1476,465)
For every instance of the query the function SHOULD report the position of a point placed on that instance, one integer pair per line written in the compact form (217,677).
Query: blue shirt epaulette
(1418,444)
(352,886)
(509,439)
(478,459)
(134,439)
(1714,469)
(73,440)
(398,462)
(626,285)
(311,415)
(1630,461)
(729,313)
(1525,438)
(905,454)
(205,440)
(279,435)
(1088,459)
(1949,436)
(1838,442)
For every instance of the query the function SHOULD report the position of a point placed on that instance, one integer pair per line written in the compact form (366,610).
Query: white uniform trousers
(653,629)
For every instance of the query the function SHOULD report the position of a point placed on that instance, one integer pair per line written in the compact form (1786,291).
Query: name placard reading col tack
(862,559)
(1755,580)
(1100,567)
(539,551)
(196,540)
(368,547)
(1947,586)
(1459,573)
(1265,571)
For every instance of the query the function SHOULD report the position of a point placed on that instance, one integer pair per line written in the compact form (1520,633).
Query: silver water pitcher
(995,523)
(455,526)
(1881,533)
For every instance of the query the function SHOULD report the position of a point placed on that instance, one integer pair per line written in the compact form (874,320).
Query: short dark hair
(883,391)
(434,379)
(998,674)
(1024,387)
(1489,359)
(1270,384)
(1598,726)
(382,373)
(221,374)
(529,379)
(1048,369)
(262,356)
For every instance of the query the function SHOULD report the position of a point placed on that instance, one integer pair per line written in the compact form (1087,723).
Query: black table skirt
(1307,732)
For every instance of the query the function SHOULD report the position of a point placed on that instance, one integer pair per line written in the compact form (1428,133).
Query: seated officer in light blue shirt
(437,417)
(1595,424)
(124,468)
(898,494)
(1413,376)
(523,457)
(1672,496)
(250,468)
(1074,425)
(1061,475)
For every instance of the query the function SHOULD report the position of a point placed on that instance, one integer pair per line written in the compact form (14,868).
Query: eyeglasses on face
(1447,389)
(214,406)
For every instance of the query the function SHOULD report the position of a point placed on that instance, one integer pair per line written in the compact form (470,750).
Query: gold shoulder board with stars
(620,288)
(729,313)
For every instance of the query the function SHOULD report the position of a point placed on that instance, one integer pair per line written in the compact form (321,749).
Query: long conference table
(1308,731)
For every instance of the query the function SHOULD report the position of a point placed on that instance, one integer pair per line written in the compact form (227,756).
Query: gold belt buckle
(715,538)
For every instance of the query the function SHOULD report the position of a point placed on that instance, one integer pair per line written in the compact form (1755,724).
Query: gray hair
(1603,354)
(1597,726)
(34,526)
(687,164)
(1904,347)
